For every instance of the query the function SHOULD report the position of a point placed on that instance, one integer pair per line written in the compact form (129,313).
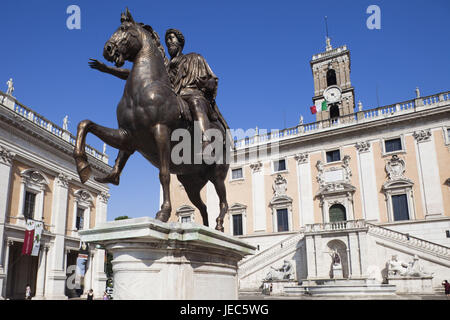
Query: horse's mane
(155,37)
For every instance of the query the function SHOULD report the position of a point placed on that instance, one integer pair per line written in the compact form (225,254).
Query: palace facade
(366,183)
(38,180)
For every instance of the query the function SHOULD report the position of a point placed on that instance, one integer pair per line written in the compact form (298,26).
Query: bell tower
(333,90)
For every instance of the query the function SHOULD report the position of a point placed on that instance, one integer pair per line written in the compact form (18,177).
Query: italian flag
(29,238)
(38,227)
(324,105)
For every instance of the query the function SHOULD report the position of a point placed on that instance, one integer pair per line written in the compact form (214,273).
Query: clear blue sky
(260,51)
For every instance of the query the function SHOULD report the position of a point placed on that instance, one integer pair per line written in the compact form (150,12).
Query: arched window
(331,78)
(334,112)
(337,213)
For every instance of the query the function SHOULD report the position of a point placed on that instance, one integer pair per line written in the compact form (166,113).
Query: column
(429,172)
(311,256)
(4,277)
(56,271)
(99,279)
(258,197)
(367,181)
(306,202)
(354,254)
(6,159)
(41,273)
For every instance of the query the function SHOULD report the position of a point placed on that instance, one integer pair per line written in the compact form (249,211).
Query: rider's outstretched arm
(118,72)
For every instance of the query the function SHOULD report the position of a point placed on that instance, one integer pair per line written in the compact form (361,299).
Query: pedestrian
(28,292)
(446,287)
(90,295)
(105,296)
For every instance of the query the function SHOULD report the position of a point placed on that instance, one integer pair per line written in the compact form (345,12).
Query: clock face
(332,94)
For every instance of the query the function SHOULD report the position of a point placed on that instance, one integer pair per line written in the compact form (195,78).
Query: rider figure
(192,79)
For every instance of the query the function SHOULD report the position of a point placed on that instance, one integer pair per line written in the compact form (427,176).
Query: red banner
(29,238)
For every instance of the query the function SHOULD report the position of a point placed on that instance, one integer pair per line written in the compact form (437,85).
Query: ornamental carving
(104,196)
(6,156)
(62,180)
(363,146)
(83,197)
(422,135)
(395,168)
(346,167)
(301,157)
(256,167)
(320,178)
(33,177)
(279,186)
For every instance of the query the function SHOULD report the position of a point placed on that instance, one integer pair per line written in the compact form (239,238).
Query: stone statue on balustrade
(286,272)
(66,123)
(10,89)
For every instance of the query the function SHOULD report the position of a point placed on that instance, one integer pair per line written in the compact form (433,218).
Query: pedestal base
(412,284)
(170,261)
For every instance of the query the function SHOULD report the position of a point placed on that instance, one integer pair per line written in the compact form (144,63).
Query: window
(80,219)
(236,174)
(400,207)
(185,219)
(331,77)
(282,218)
(334,112)
(392,145)
(237,225)
(279,165)
(337,213)
(30,201)
(334,155)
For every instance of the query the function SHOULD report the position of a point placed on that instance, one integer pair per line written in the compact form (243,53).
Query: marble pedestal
(170,261)
(422,285)
(337,272)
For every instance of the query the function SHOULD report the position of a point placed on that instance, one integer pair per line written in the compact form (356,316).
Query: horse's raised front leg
(114,176)
(162,138)
(116,138)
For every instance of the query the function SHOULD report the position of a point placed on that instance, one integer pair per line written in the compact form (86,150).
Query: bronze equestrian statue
(159,97)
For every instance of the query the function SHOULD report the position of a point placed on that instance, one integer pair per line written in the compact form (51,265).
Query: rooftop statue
(160,96)
(10,89)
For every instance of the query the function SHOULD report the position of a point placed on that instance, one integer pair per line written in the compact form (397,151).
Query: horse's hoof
(113,179)
(85,173)
(220,228)
(162,216)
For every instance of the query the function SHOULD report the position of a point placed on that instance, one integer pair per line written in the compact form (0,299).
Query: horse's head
(126,42)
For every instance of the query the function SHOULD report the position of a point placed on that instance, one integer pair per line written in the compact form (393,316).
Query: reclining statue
(286,272)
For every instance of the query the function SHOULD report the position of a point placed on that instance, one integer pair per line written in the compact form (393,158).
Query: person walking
(28,292)
(90,295)
(105,296)
(446,285)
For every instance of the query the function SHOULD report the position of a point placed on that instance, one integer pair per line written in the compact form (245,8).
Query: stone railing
(407,239)
(335,226)
(400,108)
(329,53)
(11,103)
(278,249)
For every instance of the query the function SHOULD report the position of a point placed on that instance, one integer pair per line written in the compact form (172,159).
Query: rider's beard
(173,50)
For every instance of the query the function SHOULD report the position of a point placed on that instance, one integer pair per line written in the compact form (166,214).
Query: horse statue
(148,113)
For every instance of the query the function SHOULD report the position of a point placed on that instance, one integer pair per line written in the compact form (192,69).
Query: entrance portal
(22,270)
